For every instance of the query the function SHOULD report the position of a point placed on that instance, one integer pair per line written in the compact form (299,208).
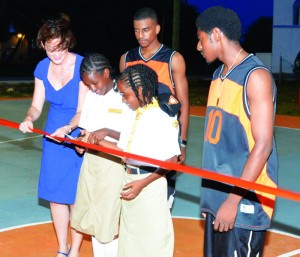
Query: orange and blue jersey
(160,62)
(228,141)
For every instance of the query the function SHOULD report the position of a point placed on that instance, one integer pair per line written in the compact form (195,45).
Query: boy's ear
(217,34)
(157,29)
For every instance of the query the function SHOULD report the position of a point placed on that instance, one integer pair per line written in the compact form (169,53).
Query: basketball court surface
(25,223)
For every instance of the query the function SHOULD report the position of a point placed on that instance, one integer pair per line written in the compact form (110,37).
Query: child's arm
(133,189)
(97,136)
(85,136)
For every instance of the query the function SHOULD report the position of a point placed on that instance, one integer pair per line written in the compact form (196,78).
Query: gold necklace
(230,68)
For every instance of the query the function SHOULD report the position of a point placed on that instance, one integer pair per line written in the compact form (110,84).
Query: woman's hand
(61,132)
(26,126)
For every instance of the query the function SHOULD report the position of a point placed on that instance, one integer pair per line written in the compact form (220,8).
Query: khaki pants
(146,228)
(98,204)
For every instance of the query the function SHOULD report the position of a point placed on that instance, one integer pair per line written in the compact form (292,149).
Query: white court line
(25,225)
(270,230)
(20,139)
(290,254)
(44,222)
(283,233)
(187,218)
(287,128)
(293,253)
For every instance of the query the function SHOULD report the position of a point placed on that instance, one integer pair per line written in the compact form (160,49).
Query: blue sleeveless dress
(60,164)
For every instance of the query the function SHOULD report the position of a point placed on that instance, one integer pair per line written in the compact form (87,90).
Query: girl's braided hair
(95,62)
(140,75)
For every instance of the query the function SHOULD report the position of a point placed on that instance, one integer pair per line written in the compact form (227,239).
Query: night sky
(248,10)
(106,26)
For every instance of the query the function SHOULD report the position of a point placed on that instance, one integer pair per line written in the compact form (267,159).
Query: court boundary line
(20,139)
(25,225)
(176,217)
(271,230)
(290,254)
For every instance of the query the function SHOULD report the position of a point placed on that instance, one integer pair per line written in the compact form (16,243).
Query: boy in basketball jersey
(238,141)
(170,68)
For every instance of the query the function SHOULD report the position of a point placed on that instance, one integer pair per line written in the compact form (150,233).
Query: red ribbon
(173,166)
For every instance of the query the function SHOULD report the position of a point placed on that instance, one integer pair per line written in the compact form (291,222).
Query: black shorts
(234,243)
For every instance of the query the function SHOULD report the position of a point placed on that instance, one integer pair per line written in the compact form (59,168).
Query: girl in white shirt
(146,227)
(98,204)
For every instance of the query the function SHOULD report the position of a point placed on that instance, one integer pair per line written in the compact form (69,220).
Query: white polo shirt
(152,134)
(104,111)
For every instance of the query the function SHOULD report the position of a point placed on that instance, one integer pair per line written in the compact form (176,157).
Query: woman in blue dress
(57,80)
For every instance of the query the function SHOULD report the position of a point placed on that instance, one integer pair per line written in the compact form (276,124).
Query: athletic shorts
(234,243)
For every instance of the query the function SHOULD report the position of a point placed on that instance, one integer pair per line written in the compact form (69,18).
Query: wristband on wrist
(183,143)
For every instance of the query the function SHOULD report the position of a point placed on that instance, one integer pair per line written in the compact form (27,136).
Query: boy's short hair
(223,18)
(145,13)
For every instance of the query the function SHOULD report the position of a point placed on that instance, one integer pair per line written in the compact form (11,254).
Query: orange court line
(280,120)
(15,98)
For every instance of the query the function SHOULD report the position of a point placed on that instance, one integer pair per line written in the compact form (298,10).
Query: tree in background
(107,27)
(258,37)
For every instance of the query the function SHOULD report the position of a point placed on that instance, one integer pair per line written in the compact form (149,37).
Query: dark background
(107,27)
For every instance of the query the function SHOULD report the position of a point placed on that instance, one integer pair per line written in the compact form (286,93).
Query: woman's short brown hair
(57,28)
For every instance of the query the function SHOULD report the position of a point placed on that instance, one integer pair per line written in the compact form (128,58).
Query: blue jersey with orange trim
(228,142)
(160,62)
